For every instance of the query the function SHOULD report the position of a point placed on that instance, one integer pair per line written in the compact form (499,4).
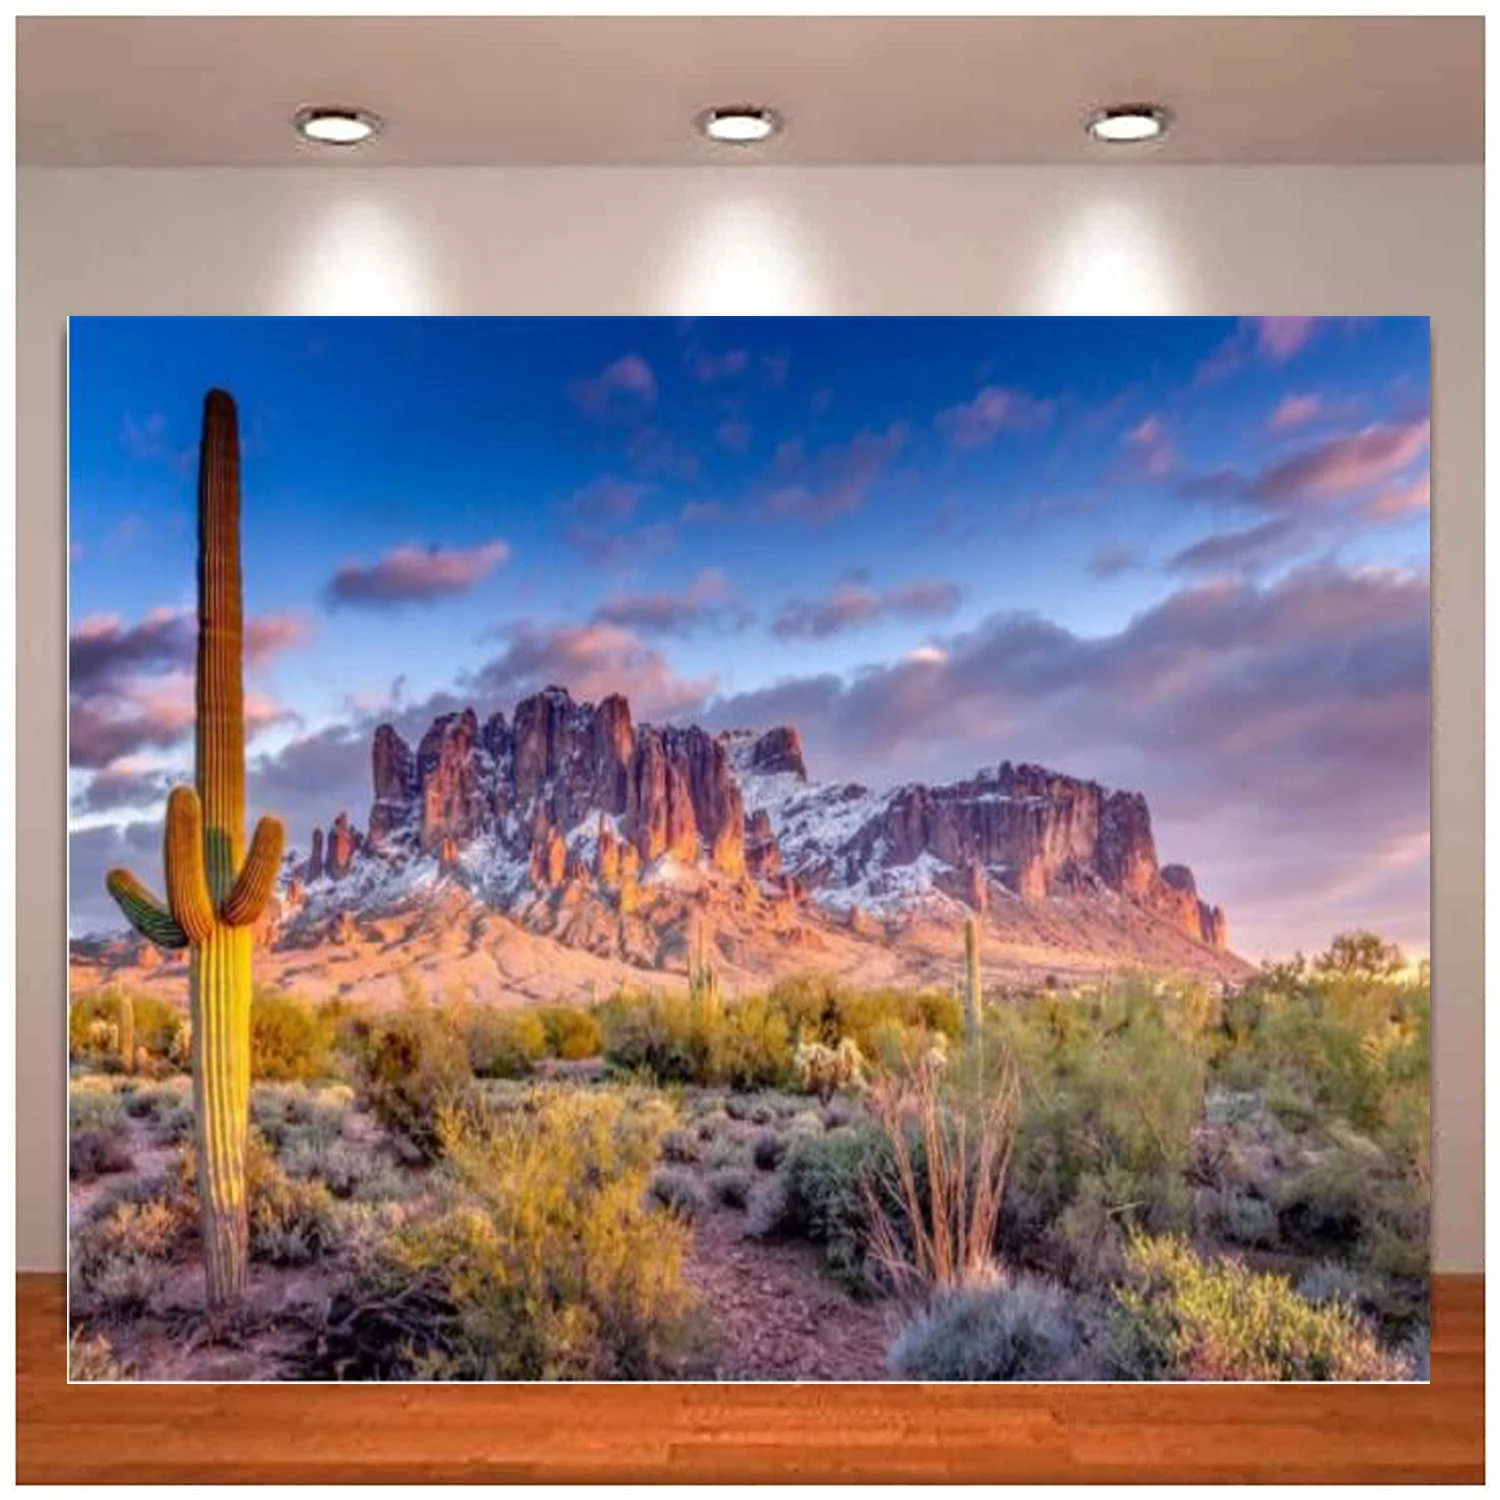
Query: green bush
(505,1043)
(1182,1318)
(548,1265)
(1020,1330)
(1111,1087)
(290,1039)
(818,1195)
(571,1033)
(413,1064)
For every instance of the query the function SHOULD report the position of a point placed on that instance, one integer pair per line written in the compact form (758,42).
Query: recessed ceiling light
(335,124)
(739,124)
(1129,124)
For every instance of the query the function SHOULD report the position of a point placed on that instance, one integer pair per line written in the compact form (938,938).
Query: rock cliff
(576,797)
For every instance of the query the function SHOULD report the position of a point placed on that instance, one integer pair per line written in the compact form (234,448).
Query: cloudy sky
(1188,556)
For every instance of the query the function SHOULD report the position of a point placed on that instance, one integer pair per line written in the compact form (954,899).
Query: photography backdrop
(598,241)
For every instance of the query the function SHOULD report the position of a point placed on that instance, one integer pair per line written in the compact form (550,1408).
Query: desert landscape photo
(826,849)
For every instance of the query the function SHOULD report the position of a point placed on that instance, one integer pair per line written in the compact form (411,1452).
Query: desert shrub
(413,1064)
(725,1151)
(1111,1086)
(347,1170)
(730,1186)
(1017,1330)
(166,1109)
(1356,1202)
(677,1189)
(290,1039)
(548,1263)
(1235,1216)
(119,1259)
(675,1039)
(294,1115)
(819,1009)
(292,1220)
(752,1047)
(95,1104)
(1342,1038)
(90,1357)
(767,1149)
(1183,1318)
(96,1153)
(93,1026)
(505,1043)
(680,1145)
(819,1195)
(571,1033)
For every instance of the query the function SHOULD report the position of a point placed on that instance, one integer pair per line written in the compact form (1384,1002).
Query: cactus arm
(187,887)
(144,912)
(257,879)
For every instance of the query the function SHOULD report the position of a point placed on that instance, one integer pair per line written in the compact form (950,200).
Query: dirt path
(776,1314)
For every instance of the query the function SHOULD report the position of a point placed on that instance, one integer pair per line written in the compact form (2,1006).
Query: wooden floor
(124,1433)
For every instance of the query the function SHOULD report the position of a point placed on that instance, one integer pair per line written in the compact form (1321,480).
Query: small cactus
(703,982)
(973,986)
(126,1028)
(216,887)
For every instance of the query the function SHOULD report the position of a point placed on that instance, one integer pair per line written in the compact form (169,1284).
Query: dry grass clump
(933,1197)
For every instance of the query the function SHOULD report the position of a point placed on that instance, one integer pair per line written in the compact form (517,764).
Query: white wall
(745,240)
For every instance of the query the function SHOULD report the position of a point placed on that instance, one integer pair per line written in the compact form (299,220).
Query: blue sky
(1188,555)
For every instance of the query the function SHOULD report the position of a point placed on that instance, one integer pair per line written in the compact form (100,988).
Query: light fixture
(335,124)
(1129,124)
(739,124)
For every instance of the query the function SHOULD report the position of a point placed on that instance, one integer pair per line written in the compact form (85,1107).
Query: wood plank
(364,1433)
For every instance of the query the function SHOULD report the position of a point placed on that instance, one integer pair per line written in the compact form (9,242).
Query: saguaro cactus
(973,991)
(215,890)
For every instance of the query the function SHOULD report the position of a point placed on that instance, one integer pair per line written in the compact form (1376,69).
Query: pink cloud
(627,386)
(1401,500)
(709,368)
(1294,411)
(1344,464)
(1151,454)
(853,603)
(609,498)
(1280,339)
(993,410)
(833,481)
(415,575)
(734,434)
(591,661)
(708,600)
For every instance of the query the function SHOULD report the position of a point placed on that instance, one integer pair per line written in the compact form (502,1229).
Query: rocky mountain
(581,825)
(568,850)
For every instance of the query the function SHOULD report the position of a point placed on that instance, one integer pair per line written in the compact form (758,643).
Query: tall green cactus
(215,889)
(973,990)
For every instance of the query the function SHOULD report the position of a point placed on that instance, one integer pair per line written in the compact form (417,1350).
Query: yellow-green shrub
(413,1062)
(290,1040)
(1183,1318)
(505,1043)
(549,1264)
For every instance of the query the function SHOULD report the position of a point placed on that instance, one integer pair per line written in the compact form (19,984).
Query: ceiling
(190,91)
